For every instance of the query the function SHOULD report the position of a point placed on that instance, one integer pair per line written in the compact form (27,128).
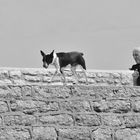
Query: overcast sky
(106,31)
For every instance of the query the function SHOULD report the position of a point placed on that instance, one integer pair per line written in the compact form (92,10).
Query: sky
(106,31)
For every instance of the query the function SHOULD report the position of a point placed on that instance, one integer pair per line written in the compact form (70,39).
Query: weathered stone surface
(61,119)
(48,106)
(102,134)
(36,71)
(1,121)
(127,134)
(105,92)
(44,133)
(76,106)
(132,91)
(32,72)
(33,75)
(132,120)
(116,106)
(4,74)
(4,91)
(31,106)
(87,120)
(111,78)
(95,92)
(15,134)
(74,134)
(29,78)
(15,92)
(27,91)
(15,74)
(5,81)
(10,91)
(25,120)
(112,120)
(3,107)
(136,105)
(28,106)
(51,92)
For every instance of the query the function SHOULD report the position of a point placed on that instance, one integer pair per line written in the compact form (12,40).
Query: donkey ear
(42,53)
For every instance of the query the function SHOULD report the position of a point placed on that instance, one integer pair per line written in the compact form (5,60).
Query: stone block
(3,107)
(22,120)
(116,106)
(15,92)
(112,120)
(41,92)
(132,91)
(74,133)
(47,106)
(27,91)
(131,120)
(32,79)
(87,120)
(4,74)
(136,105)
(44,133)
(127,134)
(62,119)
(15,74)
(76,105)
(15,134)
(4,91)
(102,134)
(33,72)
(5,81)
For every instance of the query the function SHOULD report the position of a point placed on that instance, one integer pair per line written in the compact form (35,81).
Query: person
(136,56)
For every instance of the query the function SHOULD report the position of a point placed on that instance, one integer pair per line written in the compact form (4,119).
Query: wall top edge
(51,69)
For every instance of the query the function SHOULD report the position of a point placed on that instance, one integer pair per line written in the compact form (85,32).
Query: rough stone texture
(24,120)
(3,107)
(36,75)
(76,106)
(136,105)
(112,120)
(31,108)
(116,106)
(102,134)
(44,133)
(61,119)
(87,120)
(74,134)
(127,134)
(15,134)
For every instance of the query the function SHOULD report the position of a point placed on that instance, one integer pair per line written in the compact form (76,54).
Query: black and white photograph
(69,70)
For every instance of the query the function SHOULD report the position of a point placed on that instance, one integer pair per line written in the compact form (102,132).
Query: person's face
(136,56)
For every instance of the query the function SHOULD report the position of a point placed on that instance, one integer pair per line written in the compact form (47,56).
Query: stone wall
(33,109)
(41,76)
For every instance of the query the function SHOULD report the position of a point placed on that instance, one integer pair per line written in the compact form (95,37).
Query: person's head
(136,55)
